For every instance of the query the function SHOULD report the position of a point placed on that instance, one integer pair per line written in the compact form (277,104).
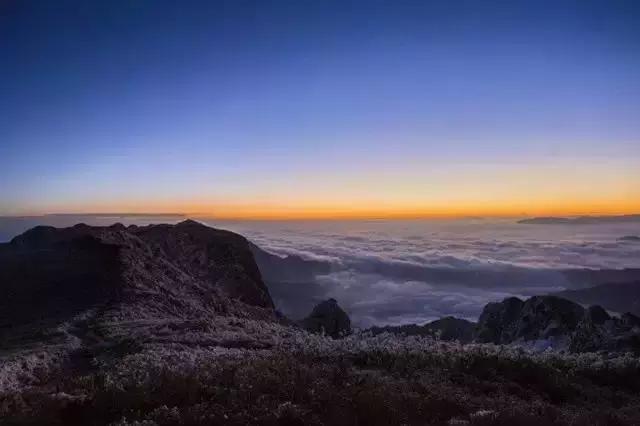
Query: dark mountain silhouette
(617,297)
(328,318)
(540,321)
(186,270)
(581,220)
(291,280)
(447,328)
(584,278)
(287,269)
(558,322)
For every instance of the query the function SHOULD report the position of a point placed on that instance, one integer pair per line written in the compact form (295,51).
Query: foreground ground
(235,371)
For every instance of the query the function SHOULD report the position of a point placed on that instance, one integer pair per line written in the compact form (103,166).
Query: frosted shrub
(238,371)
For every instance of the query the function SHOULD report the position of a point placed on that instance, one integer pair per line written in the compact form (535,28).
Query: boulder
(328,318)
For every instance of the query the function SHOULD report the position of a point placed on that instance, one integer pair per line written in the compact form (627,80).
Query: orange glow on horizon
(555,187)
(337,211)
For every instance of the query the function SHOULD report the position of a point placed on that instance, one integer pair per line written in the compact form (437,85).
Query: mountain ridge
(186,270)
(581,220)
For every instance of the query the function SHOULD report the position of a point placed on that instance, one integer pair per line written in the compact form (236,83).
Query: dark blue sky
(309,107)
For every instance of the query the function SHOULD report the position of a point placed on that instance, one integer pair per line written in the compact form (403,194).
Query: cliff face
(186,270)
(287,269)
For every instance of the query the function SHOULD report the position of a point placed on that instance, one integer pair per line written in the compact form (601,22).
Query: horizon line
(329,217)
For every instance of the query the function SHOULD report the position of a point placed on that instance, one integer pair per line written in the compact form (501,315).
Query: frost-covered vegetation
(237,371)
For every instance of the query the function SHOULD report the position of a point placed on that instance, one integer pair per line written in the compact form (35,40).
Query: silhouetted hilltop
(581,220)
(617,297)
(186,270)
(550,321)
(328,318)
(447,329)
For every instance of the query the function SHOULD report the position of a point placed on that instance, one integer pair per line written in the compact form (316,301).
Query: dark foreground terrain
(173,325)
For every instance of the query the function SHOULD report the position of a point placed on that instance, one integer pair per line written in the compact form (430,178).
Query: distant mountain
(619,297)
(538,322)
(585,277)
(447,328)
(581,220)
(287,269)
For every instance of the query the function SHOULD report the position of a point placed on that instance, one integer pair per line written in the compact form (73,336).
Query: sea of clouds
(397,272)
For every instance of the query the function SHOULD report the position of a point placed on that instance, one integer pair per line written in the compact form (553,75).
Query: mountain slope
(50,275)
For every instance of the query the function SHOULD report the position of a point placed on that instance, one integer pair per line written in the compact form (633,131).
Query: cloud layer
(395,272)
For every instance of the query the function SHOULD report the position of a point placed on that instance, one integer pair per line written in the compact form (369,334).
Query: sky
(320,109)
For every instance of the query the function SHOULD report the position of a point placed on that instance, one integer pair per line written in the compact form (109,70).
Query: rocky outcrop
(186,270)
(497,323)
(328,318)
(558,322)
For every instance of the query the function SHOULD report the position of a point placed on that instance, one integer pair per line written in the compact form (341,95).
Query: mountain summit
(187,270)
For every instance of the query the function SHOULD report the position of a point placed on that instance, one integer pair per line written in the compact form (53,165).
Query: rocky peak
(328,318)
(497,323)
(539,317)
(560,323)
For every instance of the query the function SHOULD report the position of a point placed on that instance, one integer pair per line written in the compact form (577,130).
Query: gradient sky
(320,108)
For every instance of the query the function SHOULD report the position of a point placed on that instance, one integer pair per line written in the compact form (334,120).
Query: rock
(328,318)
(497,323)
(220,258)
(549,321)
(539,317)
(543,317)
